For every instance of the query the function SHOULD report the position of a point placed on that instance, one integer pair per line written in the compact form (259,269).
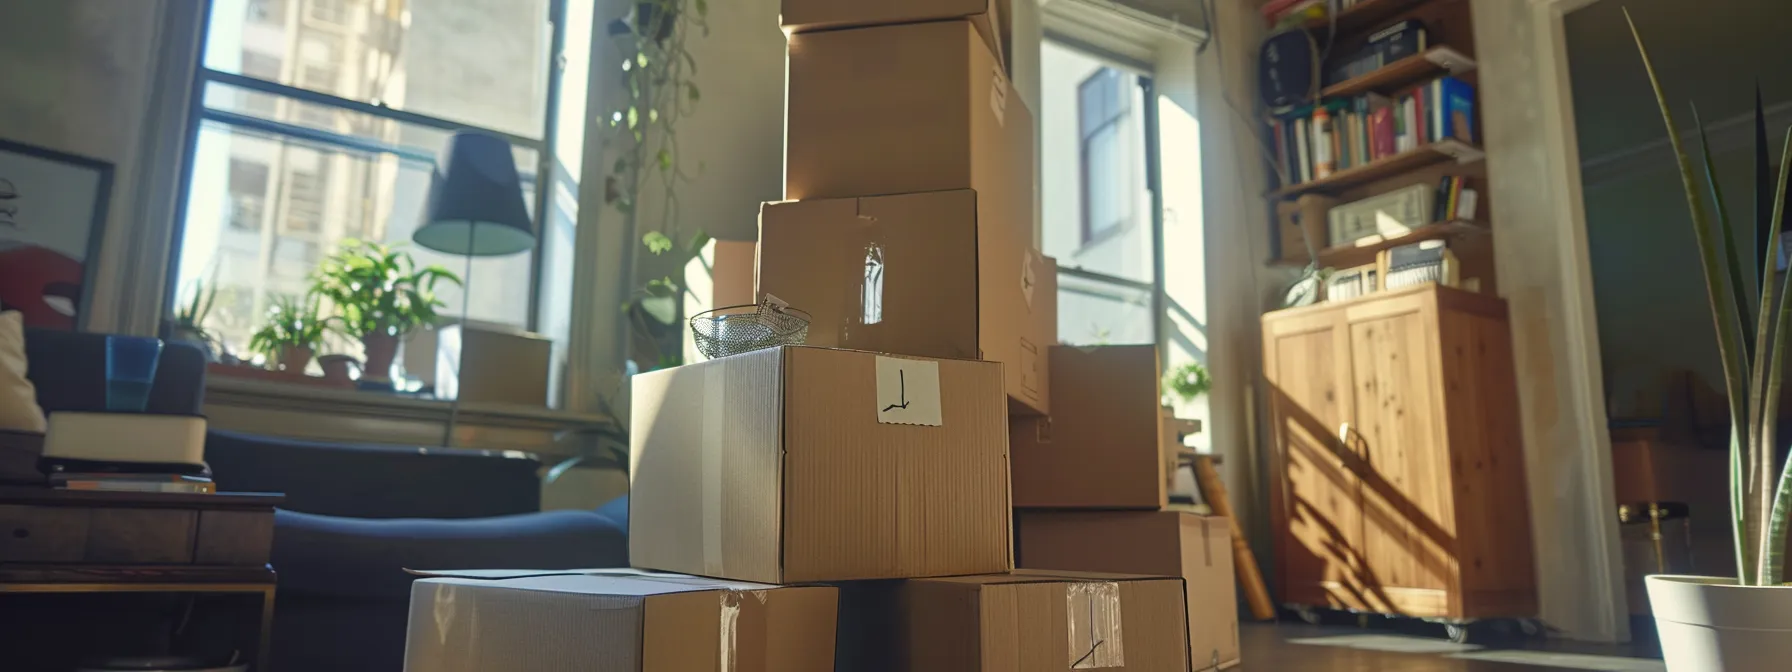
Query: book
(1418,263)
(1381,124)
(1467,205)
(1324,161)
(1456,109)
(1303,140)
(1401,40)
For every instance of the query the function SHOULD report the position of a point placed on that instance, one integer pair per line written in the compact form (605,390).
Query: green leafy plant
(191,316)
(1760,489)
(292,322)
(379,289)
(659,73)
(1188,382)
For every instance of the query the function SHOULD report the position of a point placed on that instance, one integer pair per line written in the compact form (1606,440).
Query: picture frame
(53,210)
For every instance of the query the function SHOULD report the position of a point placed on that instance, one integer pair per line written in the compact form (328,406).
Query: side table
(70,541)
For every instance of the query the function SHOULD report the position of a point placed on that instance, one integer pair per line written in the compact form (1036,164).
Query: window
(1096,216)
(1102,108)
(321,120)
(248,194)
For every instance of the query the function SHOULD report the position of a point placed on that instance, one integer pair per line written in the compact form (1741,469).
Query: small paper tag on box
(908,391)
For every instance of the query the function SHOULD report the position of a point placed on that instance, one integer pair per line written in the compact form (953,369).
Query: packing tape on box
(864,271)
(1097,640)
(742,645)
(715,405)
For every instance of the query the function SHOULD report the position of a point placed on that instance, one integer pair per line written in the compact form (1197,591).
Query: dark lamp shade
(476,201)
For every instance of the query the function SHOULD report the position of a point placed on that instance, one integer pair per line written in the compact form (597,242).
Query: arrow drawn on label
(902,387)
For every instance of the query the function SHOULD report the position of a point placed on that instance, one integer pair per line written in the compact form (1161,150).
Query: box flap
(992,17)
(706,436)
(1044,576)
(919,496)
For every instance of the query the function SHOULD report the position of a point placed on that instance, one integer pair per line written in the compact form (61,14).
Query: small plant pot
(380,349)
(1713,625)
(294,359)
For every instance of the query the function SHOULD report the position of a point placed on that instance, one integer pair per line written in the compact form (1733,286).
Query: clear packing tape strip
(1097,639)
(742,645)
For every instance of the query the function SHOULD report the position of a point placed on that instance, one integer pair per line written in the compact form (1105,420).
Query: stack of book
(200,484)
(1314,141)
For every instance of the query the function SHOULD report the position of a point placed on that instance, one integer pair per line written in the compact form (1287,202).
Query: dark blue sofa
(356,515)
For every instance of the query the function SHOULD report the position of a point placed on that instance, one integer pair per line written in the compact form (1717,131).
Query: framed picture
(52,216)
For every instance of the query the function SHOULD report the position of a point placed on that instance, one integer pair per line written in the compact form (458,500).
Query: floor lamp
(475,209)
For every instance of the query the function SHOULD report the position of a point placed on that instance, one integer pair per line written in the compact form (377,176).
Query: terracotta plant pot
(1714,625)
(381,349)
(293,359)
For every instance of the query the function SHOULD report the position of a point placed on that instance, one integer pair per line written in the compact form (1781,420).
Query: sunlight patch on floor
(1572,661)
(1392,643)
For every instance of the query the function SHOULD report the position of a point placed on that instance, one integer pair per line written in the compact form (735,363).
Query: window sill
(320,414)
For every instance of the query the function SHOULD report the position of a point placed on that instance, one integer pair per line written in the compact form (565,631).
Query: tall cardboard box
(1103,446)
(993,18)
(939,274)
(798,464)
(905,109)
(1196,548)
(663,623)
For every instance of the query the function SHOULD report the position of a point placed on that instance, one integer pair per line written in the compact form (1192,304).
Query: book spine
(1323,161)
(1304,140)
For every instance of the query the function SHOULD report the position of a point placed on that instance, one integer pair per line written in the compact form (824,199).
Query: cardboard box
(905,109)
(1103,446)
(894,274)
(483,364)
(809,464)
(1196,548)
(481,622)
(993,18)
(1027,620)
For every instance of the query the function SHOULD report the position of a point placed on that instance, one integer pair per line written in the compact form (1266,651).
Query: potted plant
(1188,382)
(295,327)
(381,295)
(1743,622)
(188,324)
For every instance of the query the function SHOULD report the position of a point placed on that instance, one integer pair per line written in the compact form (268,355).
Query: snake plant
(1760,489)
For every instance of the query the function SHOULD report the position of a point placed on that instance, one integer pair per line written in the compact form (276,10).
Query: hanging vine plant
(659,74)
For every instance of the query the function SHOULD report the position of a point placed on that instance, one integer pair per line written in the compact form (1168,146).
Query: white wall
(86,77)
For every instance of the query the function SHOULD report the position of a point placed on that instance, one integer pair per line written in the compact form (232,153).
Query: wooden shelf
(1350,256)
(1365,15)
(1435,62)
(1385,167)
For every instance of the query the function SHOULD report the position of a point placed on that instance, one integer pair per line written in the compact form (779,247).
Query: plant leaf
(1773,546)
(695,247)
(1764,202)
(665,159)
(695,94)
(1736,267)
(1723,313)
(656,242)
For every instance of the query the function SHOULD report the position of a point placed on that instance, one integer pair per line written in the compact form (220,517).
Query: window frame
(1113,126)
(547,171)
(1148,118)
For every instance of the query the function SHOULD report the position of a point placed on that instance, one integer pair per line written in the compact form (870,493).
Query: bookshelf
(1384,168)
(1364,14)
(1352,255)
(1434,63)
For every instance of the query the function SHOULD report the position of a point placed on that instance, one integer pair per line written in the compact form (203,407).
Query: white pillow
(18,397)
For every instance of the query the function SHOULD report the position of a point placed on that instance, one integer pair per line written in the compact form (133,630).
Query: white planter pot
(1714,625)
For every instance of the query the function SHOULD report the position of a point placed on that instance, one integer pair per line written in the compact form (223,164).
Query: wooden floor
(1304,648)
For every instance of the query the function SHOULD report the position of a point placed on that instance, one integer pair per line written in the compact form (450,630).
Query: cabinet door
(1397,425)
(1319,527)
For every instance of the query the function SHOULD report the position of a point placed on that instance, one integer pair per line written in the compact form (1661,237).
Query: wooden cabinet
(1399,468)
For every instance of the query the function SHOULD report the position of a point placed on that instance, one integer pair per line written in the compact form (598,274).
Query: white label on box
(998,96)
(908,391)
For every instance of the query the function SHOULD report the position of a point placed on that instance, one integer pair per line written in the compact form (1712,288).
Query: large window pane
(1094,192)
(314,197)
(479,62)
(1096,312)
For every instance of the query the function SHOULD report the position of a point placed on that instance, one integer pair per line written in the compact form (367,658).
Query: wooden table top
(47,496)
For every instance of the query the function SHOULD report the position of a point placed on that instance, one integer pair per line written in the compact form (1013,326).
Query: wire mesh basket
(745,328)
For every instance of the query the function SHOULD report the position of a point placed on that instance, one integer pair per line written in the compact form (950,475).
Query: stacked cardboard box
(1091,483)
